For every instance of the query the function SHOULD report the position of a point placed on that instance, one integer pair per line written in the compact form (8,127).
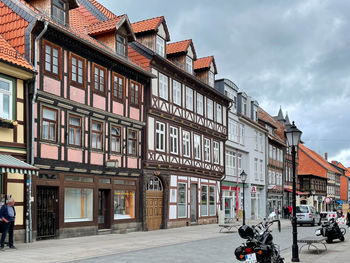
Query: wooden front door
(154,203)
(104,209)
(154,209)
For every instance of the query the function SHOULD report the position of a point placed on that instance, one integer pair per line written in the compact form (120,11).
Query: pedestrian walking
(7,216)
(290,211)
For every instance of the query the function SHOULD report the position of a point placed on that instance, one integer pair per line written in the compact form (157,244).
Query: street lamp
(243,179)
(293,135)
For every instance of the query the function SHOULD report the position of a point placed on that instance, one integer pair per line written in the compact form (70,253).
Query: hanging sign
(253,190)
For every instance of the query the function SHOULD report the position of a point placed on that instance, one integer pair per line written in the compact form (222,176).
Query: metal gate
(46,212)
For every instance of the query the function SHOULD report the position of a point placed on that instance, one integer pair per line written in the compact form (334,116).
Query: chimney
(326,156)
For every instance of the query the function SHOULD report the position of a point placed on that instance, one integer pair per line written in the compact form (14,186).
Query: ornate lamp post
(243,179)
(293,135)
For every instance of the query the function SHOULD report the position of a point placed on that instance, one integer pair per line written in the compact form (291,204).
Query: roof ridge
(144,20)
(190,39)
(211,56)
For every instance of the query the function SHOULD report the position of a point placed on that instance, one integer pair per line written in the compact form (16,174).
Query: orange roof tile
(178,47)
(133,54)
(103,10)
(103,26)
(316,159)
(80,17)
(264,116)
(147,25)
(12,28)
(10,55)
(201,63)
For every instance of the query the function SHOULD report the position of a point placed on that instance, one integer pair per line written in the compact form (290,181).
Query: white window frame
(174,140)
(160,136)
(160,46)
(256,141)
(212,214)
(200,98)
(242,132)
(210,109)
(176,92)
(261,170)
(163,86)
(178,203)
(211,78)
(218,113)
(6,93)
(261,142)
(189,98)
(216,152)
(189,65)
(207,150)
(231,163)
(206,186)
(197,146)
(240,162)
(256,168)
(186,142)
(231,131)
(244,106)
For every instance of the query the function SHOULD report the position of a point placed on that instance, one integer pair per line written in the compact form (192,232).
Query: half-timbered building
(186,130)
(88,117)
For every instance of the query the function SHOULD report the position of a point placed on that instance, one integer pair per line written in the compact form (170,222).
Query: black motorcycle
(331,231)
(259,246)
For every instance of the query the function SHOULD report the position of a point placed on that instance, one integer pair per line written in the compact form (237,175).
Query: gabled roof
(102,9)
(316,158)
(180,47)
(110,26)
(150,24)
(267,118)
(10,55)
(204,63)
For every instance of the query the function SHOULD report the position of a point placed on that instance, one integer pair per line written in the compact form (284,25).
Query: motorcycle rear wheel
(342,238)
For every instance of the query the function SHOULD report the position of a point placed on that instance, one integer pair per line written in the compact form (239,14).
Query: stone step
(104,231)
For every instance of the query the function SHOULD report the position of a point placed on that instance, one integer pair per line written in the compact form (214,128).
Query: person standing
(348,218)
(8,216)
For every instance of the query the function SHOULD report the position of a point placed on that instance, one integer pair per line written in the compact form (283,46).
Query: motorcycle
(331,231)
(259,246)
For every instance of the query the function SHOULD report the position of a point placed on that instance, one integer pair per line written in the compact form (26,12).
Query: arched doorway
(154,203)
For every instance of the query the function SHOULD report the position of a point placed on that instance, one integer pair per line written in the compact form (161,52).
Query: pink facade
(75,155)
(134,113)
(77,94)
(132,162)
(96,158)
(49,151)
(99,102)
(118,108)
(52,86)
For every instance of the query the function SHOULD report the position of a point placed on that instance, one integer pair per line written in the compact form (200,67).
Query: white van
(306,214)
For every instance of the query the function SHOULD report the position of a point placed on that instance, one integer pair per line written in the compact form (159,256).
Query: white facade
(245,150)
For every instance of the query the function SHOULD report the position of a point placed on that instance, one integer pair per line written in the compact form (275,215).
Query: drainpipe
(29,233)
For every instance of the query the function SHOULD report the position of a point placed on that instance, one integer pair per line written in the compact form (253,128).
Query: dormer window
(59,11)
(160,46)
(189,65)
(121,45)
(211,79)
(244,106)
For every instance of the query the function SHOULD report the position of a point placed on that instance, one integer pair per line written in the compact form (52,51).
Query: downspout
(29,236)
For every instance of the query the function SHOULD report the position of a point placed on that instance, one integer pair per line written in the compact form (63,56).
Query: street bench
(311,242)
(228,227)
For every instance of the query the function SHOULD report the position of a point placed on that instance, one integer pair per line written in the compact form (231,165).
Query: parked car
(306,214)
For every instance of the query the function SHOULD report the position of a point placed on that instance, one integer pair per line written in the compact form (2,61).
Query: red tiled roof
(12,28)
(80,17)
(178,47)
(133,54)
(201,63)
(103,9)
(103,26)
(10,55)
(311,165)
(147,25)
(279,132)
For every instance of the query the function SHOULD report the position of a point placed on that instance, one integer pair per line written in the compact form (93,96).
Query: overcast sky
(293,54)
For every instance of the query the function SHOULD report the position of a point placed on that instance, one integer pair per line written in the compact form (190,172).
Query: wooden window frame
(97,133)
(66,16)
(134,141)
(71,81)
(49,121)
(122,100)
(100,68)
(59,60)
(116,137)
(132,103)
(124,44)
(75,127)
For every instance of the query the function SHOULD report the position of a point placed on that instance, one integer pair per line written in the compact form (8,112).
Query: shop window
(75,128)
(96,135)
(204,200)
(126,182)
(181,202)
(132,142)
(212,206)
(78,205)
(49,124)
(79,179)
(116,139)
(77,70)
(104,181)
(124,204)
